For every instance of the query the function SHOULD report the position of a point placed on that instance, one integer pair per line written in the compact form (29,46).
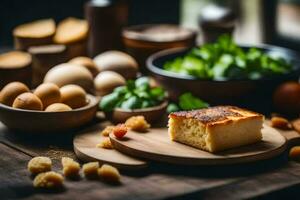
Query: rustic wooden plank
(159,181)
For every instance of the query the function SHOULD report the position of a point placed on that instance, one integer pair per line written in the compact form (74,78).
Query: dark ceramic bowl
(220,92)
(31,121)
(151,114)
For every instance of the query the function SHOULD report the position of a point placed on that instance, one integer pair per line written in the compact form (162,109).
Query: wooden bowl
(141,44)
(151,114)
(220,92)
(31,121)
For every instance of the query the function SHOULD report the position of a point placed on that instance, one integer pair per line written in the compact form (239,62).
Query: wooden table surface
(275,178)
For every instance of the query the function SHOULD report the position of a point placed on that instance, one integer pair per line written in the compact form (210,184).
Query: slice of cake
(216,128)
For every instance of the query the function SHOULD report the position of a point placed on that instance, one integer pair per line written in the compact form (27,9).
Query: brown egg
(49,93)
(117,61)
(87,63)
(286,98)
(106,81)
(58,107)
(68,73)
(11,91)
(73,95)
(28,101)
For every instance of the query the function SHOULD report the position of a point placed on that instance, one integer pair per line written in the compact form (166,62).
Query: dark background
(15,12)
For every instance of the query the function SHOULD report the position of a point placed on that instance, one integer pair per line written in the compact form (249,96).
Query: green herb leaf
(108,102)
(189,102)
(172,107)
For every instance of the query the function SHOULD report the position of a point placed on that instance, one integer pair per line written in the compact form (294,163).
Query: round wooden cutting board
(86,150)
(156,145)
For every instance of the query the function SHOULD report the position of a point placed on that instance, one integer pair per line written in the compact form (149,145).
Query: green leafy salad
(225,60)
(134,95)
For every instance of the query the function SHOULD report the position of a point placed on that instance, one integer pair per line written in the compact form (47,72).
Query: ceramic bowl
(220,92)
(152,114)
(30,121)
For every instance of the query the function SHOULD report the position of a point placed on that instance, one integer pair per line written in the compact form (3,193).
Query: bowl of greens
(137,97)
(223,71)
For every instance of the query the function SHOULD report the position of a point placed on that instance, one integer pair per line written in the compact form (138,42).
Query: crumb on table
(39,164)
(280,122)
(48,180)
(90,170)
(105,132)
(71,168)
(105,143)
(109,173)
(294,153)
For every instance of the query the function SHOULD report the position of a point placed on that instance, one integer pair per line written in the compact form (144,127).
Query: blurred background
(258,21)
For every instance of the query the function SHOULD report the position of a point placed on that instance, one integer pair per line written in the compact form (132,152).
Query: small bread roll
(49,93)
(11,91)
(58,107)
(105,82)
(119,62)
(87,63)
(28,101)
(73,95)
(69,73)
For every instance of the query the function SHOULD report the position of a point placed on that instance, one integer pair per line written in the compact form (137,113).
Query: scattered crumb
(90,170)
(105,143)
(295,153)
(48,180)
(296,125)
(280,122)
(109,173)
(107,131)
(120,131)
(71,168)
(39,164)
(137,123)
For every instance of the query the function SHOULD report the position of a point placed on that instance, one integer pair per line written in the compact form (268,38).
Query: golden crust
(216,115)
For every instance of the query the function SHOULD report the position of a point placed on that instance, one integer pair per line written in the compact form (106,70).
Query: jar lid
(158,33)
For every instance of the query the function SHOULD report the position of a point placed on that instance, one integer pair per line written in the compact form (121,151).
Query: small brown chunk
(107,130)
(48,180)
(105,143)
(39,164)
(109,173)
(137,123)
(71,168)
(90,170)
(280,122)
(295,153)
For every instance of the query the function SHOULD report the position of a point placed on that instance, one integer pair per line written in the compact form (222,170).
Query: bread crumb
(107,131)
(109,173)
(90,170)
(280,122)
(296,125)
(295,153)
(105,143)
(71,168)
(48,180)
(137,123)
(39,164)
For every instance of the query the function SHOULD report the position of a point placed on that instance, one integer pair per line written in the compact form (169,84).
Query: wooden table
(275,178)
